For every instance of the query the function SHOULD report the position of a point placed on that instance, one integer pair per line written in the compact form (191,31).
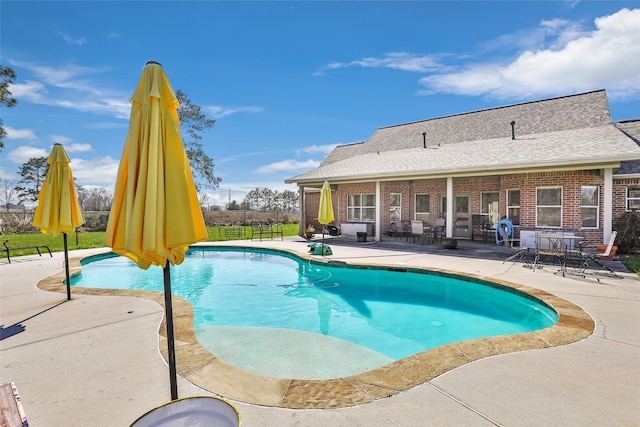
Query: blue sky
(287,81)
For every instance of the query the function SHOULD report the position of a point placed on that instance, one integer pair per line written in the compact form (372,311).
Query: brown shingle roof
(570,130)
(632,129)
(604,144)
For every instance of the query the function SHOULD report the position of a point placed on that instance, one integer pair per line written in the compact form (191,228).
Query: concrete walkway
(95,360)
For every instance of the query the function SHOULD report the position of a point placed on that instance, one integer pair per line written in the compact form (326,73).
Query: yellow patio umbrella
(155,214)
(325,208)
(58,210)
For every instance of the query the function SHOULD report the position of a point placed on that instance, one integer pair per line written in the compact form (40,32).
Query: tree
(192,123)
(8,192)
(245,205)
(95,199)
(268,199)
(289,200)
(7,76)
(252,199)
(233,206)
(33,174)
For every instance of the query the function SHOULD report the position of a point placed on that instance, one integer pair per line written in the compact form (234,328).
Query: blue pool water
(248,297)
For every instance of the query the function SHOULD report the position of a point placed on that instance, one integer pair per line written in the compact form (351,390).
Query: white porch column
(301,224)
(378,211)
(450,214)
(607,221)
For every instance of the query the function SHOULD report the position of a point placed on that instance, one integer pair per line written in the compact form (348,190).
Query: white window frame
(511,207)
(359,208)
(635,200)
(595,207)
(395,209)
(539,207)
(419,215)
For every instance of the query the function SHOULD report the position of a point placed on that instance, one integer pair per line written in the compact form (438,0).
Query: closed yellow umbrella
(58,210)
(155,214)
(325,208)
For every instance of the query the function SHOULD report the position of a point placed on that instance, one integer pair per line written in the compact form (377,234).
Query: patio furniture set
(564,248)
(419,230)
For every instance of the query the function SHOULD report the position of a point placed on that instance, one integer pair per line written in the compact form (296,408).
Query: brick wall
(620,195)
(570,181)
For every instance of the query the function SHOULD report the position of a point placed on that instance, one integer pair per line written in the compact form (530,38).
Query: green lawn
(632,262)
(90,240)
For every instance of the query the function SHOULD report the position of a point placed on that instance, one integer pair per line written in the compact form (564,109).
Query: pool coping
(198,366)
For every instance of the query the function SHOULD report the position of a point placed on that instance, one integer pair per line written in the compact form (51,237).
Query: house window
(513,205)
(395,205)
(423,213)
(549,207)
(633,199)
(490,207)
(360,207)
(589,206)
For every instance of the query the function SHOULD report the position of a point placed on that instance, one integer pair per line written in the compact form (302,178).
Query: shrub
(95,221)
(628,228)
(17,223)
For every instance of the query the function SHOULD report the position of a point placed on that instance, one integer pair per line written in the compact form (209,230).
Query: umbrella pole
(66,265)
(169,324)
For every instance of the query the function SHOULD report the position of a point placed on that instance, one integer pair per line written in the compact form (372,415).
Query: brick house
(555,163)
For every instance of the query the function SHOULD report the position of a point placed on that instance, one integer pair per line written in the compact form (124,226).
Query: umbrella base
(319,249)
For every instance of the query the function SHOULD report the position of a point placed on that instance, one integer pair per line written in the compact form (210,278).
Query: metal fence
(20,221)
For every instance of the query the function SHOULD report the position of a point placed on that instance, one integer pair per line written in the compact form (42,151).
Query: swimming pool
(252,305)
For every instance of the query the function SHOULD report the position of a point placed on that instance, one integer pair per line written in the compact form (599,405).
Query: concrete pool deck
(95,360)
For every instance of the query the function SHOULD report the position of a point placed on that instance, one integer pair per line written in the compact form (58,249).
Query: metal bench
(259,230)
(234,232)
(8,249)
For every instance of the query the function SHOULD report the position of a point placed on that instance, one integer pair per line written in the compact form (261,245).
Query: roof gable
(556,114)
(572,131)
(632,129)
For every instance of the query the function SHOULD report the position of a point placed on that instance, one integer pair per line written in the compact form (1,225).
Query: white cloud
(70,147)
(550,34)
(69,86)
(321,149)
(100,171)
(396,60)
(29,91)
(236,157)
(24,153)
(608,57)
(60,139)
(20,133)
(67,77)
(287,165)
(78,148)
(217,112)
(74,41)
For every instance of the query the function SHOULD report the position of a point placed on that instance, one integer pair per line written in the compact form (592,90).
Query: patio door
(461,212)
(462,208)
